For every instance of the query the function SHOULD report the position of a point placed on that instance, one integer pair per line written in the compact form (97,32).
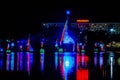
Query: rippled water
(59,66)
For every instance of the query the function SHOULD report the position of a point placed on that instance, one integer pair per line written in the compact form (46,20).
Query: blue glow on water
(18,56)
(56,60)
(1,61)
(21,61)
(95,60)
(31,58)
(42,62)
(12,61)
(66,63)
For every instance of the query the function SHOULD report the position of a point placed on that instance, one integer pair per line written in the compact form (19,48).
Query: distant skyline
(30,16)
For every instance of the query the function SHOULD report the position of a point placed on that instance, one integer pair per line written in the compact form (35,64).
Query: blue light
(12,61)
(68,63)
(80,44)
(1,50)
(12,44)
(111,54)
(22,41)
(42,62)
(1,61)
(56,60)
(56,45)
(68,12)
(42,40)
(21,61)
(31,49)
(68,39)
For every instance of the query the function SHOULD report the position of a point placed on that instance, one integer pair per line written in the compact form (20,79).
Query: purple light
(8,62)
(18,60)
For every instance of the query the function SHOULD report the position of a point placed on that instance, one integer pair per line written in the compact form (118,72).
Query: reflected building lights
(18,60)
(82,72)
(8,62)
(1,58)
(95,54)
(111,62)
(66,62)
(21,61)
(42,62)
(12,56)
(28,62)
(42,52)
(95,60)
(101,60)
(12,61)
(8,51)
(56,60)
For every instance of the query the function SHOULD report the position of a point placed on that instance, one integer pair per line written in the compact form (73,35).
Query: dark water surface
(58,66)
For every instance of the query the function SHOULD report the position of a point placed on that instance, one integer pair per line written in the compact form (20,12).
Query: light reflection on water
(42,62)
(22,62)
(1,61)
(82,67)
(69,62)
(71,65)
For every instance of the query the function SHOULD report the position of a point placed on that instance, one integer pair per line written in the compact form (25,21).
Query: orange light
(82,20)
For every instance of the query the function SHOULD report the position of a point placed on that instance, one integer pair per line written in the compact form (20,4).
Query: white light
(67,63)
(111,67)
(112,30)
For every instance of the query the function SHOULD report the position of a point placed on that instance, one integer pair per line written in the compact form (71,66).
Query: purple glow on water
(8,62)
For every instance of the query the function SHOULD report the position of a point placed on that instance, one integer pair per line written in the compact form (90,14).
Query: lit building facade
(112,28)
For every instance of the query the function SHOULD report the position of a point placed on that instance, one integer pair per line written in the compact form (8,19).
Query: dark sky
(24,17)
(96,11)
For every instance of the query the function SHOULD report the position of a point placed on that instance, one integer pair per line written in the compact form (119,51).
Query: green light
(8,51)
(7,40)
(82,51)
(60,50)
(118,61)
(96,50)
(42,51)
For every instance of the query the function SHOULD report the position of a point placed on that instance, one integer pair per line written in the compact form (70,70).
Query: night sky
(29,15)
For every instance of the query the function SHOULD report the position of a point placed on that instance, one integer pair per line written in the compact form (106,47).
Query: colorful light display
(65,38)
(8,51)
(82,72)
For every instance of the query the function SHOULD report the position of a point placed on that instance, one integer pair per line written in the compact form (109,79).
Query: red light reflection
(82,72)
